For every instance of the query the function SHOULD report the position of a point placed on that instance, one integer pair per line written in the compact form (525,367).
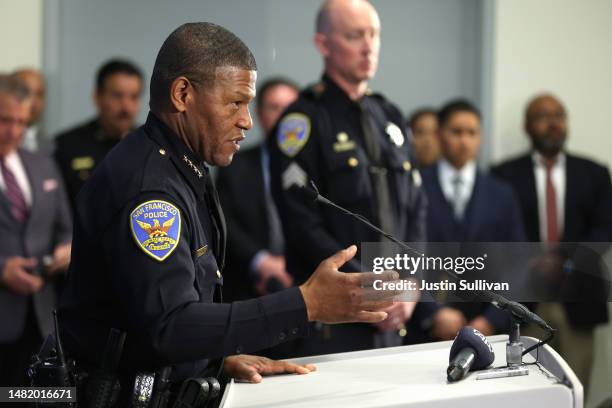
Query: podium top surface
(406,376)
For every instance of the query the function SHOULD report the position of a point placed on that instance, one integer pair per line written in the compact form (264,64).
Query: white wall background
(430,49)
(20,20)
(558,46)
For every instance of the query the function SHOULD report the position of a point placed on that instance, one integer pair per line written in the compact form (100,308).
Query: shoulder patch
(156,228)
(293,133)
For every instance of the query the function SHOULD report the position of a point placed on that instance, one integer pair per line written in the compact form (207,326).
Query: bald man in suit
(564,198)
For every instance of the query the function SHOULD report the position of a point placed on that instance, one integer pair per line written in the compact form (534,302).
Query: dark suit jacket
(492,215)
(242,194)
(48,224)
(587,218)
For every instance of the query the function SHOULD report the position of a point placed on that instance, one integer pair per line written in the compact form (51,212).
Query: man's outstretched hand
(332,296)
(251,368)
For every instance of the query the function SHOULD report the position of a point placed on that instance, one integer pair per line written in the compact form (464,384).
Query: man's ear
(181,91)
(320,41)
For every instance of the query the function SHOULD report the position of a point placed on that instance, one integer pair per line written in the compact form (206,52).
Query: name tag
(82,163)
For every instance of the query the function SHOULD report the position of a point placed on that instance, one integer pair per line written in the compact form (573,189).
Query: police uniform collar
(341,101)
(101,136)
(186,161)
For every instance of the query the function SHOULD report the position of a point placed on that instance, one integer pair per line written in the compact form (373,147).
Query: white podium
(412,376)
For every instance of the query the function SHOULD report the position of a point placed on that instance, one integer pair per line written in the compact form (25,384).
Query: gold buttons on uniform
(342,137)
(162,152)
(353,162)
(407,165)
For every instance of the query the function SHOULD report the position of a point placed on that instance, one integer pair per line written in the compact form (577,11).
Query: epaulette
(384,102)
(314,91)
(376,95)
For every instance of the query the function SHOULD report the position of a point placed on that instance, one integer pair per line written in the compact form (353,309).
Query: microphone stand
(518,312)
(514,347)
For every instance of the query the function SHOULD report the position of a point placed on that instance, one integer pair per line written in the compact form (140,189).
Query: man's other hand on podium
(251,368)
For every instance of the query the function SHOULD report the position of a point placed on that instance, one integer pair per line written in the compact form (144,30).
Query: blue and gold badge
(293,133)
(156,227)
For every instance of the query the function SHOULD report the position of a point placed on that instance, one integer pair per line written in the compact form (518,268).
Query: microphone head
(470,337)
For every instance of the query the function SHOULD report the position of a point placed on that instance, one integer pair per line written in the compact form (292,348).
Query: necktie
(552,226)
(458,201)
(378,171)
(276,239)
(277,242)
(14,194)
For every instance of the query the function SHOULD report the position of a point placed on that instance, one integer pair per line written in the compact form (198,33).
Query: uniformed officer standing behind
(352,144)
(149,235)
(117,97)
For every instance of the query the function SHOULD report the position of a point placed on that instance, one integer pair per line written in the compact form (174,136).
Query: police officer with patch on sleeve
(149,238)
(352,144)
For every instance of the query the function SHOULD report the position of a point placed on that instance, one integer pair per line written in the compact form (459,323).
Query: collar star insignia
(193,167)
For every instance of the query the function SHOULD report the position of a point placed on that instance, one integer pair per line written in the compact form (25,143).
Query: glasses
(548,117)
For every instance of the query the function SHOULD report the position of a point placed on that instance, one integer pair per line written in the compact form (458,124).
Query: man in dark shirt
(149,243)
(352,143)
(117,97)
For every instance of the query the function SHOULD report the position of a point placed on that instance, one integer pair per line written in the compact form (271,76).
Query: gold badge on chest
(343,143)
(82,163)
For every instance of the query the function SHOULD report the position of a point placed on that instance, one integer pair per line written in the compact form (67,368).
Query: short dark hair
(456,106)
(270,83)
(115,66)
(11,85)
(418,114)
(195,51)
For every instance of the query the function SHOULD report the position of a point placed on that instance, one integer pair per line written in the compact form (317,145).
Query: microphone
(312,194)
(517,310)
(470,350)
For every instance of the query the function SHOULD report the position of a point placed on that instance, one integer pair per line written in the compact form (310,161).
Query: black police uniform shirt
(78,151)
(320,138)
(145,261)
